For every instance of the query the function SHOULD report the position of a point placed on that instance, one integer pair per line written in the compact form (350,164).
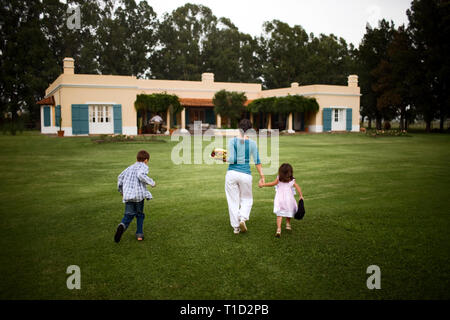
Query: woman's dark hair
(245,125)
(285,173)
(142,156)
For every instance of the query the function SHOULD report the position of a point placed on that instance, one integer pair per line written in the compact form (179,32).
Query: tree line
(402,70)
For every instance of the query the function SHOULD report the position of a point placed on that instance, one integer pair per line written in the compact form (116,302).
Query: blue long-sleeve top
(239,152)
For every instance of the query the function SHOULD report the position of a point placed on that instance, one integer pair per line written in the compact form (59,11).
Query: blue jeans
(134,209)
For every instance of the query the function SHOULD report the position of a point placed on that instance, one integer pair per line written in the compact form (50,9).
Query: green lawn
(382,201)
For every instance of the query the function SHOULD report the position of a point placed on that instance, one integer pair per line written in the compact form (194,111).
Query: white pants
(238,188)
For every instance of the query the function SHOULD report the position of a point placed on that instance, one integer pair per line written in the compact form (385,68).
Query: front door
(101,119)
(338,120)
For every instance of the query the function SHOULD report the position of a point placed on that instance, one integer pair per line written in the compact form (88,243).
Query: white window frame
(97,123)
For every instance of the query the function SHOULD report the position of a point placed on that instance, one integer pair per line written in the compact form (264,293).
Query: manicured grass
(382,201)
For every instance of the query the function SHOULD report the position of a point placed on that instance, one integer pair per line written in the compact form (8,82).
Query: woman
(238,180)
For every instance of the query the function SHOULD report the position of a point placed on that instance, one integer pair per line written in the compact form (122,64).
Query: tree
(26,63)
(330,60)
(429,23)
(373,50)
(283,53)
(230,54)
(128,32)
(180,37)
(229,104)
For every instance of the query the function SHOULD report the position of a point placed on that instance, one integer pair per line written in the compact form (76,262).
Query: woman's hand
(261,183)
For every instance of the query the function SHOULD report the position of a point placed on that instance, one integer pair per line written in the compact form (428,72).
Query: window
(99,114)
(336,115)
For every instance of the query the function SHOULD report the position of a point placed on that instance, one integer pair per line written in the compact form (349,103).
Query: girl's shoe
(236,230)
(278,234)
(288,227)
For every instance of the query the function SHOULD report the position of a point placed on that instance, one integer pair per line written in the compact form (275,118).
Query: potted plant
(140,126)
(60,131)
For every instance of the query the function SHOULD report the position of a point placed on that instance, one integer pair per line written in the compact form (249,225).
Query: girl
(284,204)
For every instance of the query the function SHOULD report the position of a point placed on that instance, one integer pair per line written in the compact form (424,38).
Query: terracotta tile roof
(191,102)
(47,101)
(196,102)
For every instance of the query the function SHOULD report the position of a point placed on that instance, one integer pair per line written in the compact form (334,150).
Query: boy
(132,185)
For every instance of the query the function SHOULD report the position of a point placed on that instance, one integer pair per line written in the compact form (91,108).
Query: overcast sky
(343,18)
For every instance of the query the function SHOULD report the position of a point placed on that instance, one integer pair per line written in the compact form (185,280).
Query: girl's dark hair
(245,125)
(142,156)
(285,173)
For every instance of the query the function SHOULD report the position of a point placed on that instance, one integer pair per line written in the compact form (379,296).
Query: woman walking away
(238,180)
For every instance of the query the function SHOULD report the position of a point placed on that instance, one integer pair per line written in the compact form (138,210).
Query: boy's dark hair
(245,125)
(142,156)
(285,173)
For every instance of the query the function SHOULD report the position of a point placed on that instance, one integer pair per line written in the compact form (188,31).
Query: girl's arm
(269,184)
(297,187)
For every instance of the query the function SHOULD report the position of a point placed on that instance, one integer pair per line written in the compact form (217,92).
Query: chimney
(69,65)
(207,77)
(294,85)
(353,80)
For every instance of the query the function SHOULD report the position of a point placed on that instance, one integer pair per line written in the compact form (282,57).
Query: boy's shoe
(236,230)
(119,232)
(140,237)
(242,226)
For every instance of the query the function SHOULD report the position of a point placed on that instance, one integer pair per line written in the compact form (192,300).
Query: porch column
(290,123)
(269,122)
(183,118)
(218,121)
(251,118)
(168,123)
(183,121)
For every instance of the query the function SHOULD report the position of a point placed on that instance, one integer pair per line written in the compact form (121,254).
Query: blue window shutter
(80,119)
(47,121)
(326,119)
(209,116)
(349,119)
(117,119)
(187,115)
(57,114)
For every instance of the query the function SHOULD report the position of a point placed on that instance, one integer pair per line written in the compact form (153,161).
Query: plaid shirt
(132,183)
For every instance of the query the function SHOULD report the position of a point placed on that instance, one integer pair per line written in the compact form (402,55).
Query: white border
(129,131)
(317,128)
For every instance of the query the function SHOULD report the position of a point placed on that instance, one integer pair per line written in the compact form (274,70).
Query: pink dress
(285,204)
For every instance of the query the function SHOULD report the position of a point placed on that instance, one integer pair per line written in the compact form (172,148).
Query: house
(104,104)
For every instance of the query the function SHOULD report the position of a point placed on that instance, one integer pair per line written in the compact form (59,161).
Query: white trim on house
(129,131)
(96,102)
(67,131)
(104,112)
(50,129)
(99,86)
(340,114)
(317,128)
(355,128)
